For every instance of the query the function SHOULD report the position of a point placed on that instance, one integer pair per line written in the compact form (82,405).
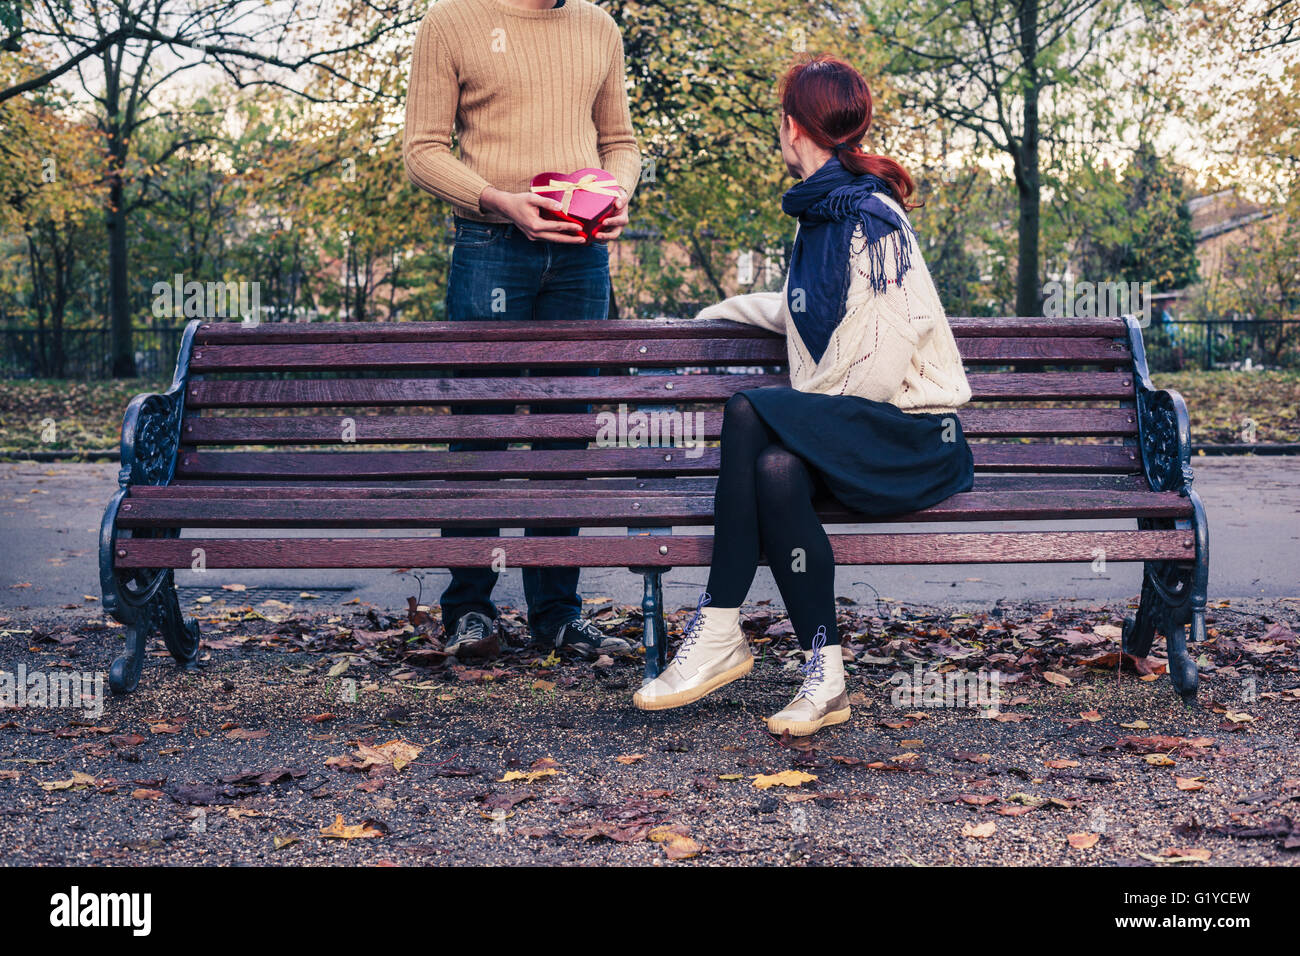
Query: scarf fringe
(876,258)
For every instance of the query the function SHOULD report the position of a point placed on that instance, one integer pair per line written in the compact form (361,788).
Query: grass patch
(79,416)
(1222,403)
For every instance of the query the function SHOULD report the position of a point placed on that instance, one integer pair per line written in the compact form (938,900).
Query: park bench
(274,438)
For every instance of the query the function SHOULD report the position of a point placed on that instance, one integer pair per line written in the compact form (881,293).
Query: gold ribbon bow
(602,187)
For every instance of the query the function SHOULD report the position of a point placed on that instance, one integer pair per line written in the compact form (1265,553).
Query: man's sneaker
(583,637)
(822,700)
(713,653)
(475,636)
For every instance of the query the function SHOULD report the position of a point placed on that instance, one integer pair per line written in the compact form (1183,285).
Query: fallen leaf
(1083,841)
(676,842)
(786,778)
(395,753)
(1173,855)
(529,776)
(358,831)
(239,733)
(78,781)
(610,831)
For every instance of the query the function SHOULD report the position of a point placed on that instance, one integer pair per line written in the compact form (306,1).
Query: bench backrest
(365,402)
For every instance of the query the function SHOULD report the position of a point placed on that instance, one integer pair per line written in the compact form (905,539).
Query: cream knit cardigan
(894,346)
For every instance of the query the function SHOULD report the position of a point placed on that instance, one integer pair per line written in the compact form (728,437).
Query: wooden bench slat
(1003,326)
(1003,547)
(531,353)
(1044,350)
(391,429)
(370,356)
(651,389)
(608,511)
(590,462)
(454,488)
(473,391)
(276,333)
(196,489)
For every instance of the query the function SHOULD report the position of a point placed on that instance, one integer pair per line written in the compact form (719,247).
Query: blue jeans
(498,274)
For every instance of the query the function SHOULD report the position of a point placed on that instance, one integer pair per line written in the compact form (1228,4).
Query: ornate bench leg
(145,600)
(1173,604)
(180,633)
(124,674)
(655,636)
(1140,628)
(1183,671)
(160,614)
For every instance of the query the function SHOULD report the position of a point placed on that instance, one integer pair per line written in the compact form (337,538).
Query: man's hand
(525,211)
(613,225)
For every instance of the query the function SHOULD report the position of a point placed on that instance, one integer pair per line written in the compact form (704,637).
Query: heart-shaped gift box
(586,197)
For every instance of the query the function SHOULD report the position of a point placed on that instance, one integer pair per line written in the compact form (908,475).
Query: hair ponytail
(830,100)
(900,182)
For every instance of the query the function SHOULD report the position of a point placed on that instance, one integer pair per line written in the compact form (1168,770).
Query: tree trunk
(1028,289)
(40,292)
(118,305)
(65,257)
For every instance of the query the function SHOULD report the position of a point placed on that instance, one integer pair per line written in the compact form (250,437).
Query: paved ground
(49,520)
(320,731)
(343,736)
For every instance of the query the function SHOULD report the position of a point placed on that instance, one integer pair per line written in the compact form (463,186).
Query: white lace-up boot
(822,700)
(713,653)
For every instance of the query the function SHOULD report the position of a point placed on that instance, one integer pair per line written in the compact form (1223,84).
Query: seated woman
(870,417)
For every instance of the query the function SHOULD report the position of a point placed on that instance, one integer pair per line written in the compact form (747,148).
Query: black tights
(765,496)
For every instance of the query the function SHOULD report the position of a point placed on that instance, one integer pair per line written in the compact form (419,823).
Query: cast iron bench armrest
(144,600)
(1164,428)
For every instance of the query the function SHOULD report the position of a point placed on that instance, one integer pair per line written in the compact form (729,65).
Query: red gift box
(586,197)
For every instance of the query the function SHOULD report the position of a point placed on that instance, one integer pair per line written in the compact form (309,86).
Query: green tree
(126,53)
(1002,71)
(703,93)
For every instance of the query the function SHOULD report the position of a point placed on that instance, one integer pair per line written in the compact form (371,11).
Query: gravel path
(289,730)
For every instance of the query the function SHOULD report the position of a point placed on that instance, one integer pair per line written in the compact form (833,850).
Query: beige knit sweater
(893,346)
(525,91)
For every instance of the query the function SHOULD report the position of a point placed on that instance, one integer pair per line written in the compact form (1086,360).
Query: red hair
(830,101)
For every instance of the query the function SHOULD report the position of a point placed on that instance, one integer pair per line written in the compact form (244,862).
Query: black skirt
(873,457)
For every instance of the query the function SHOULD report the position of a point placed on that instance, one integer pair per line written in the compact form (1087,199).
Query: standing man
(527,86)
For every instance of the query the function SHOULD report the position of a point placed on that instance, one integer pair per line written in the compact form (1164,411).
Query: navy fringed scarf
(829,204)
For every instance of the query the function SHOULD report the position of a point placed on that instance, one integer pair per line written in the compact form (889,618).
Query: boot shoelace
(692,631)
(474,630)
(588,629)
(814,672)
